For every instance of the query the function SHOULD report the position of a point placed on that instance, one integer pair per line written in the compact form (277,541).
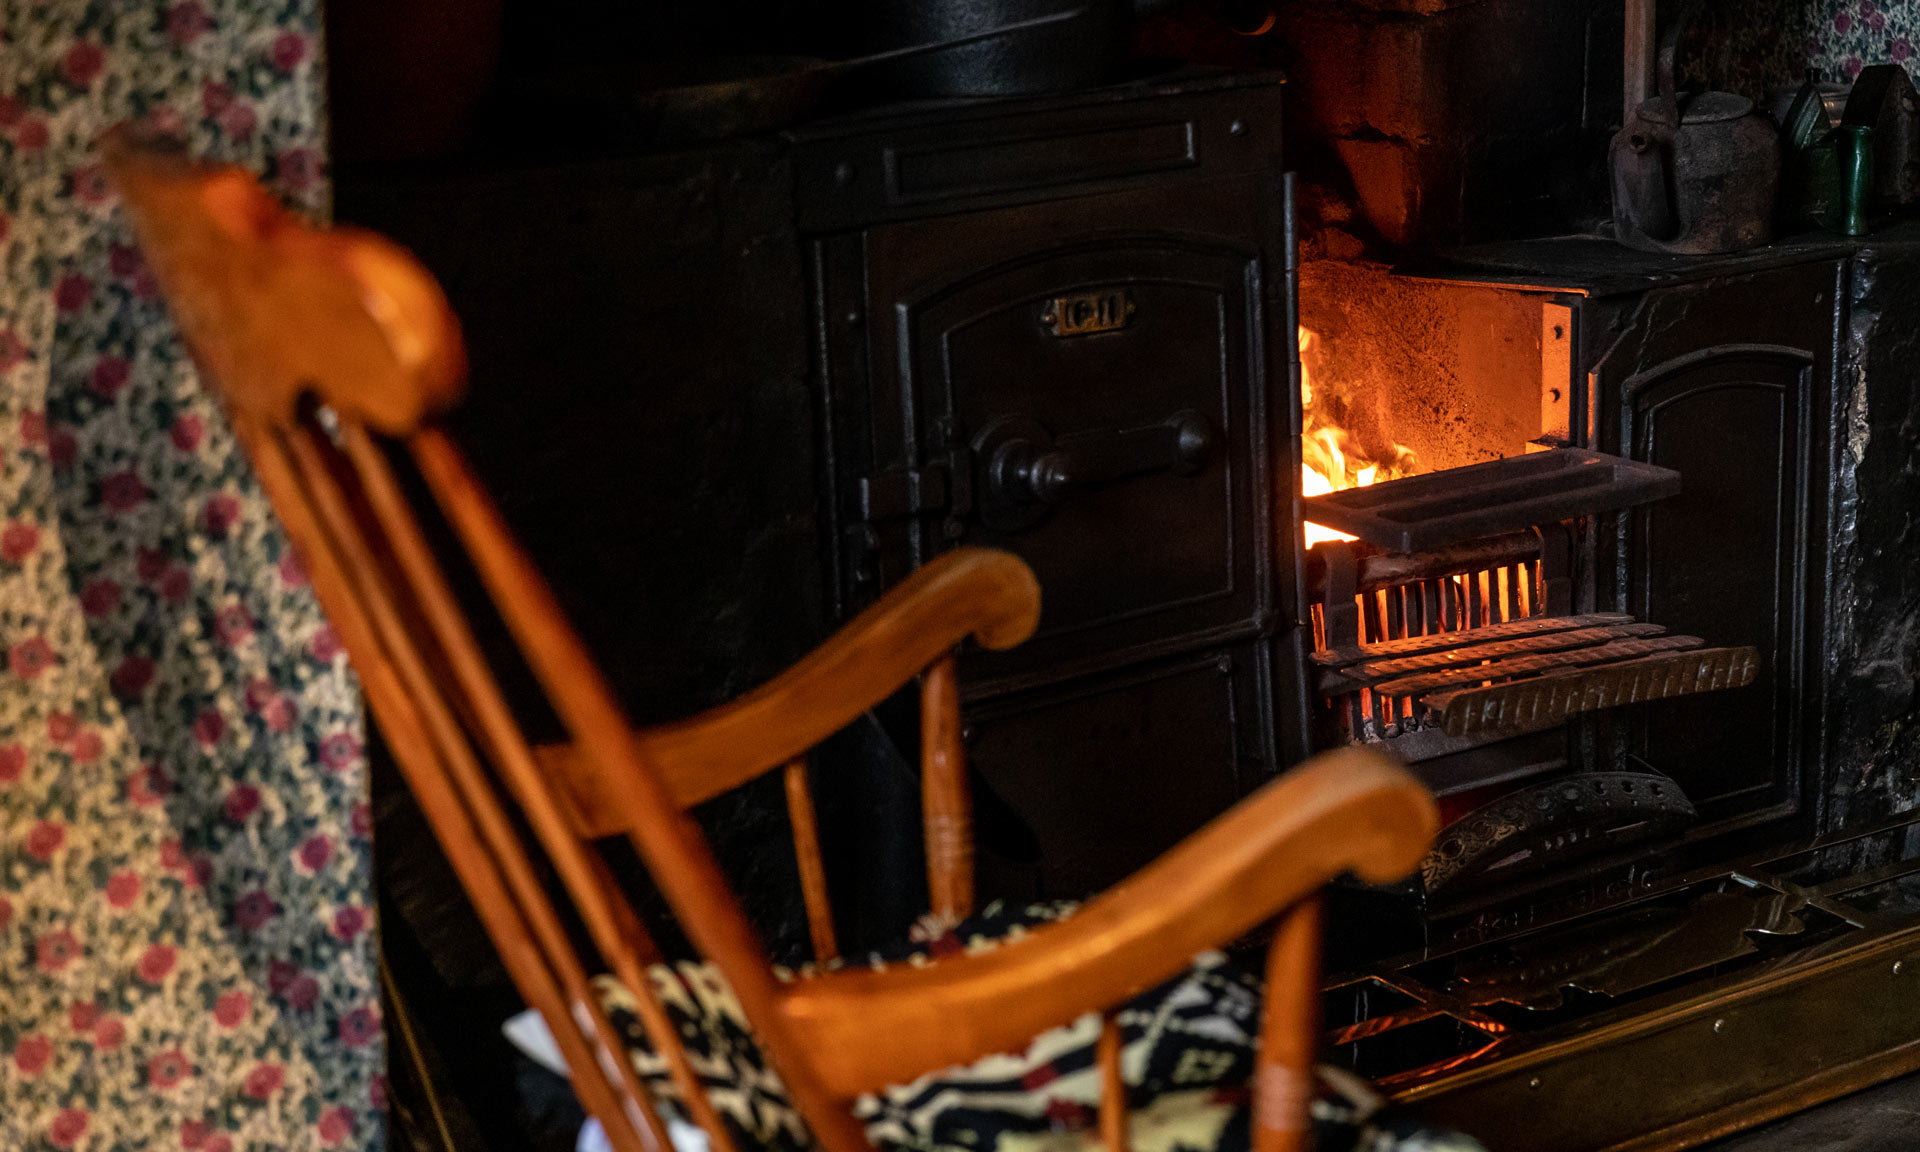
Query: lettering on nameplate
(1085,313)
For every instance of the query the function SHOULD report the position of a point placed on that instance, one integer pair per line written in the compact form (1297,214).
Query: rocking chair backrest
(316,341)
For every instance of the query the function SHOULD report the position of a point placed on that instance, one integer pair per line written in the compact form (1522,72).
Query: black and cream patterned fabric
(1188,1049)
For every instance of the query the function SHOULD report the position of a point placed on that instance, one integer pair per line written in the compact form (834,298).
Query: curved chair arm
(1348,810)
(989,595)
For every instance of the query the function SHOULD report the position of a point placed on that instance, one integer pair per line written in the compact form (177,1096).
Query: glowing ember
(1330,459)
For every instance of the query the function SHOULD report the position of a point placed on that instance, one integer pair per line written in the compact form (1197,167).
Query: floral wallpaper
(1748,46)
(186,955)
(1847,36)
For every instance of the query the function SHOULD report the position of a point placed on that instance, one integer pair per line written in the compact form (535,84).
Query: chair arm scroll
(1351,810)
(988,595)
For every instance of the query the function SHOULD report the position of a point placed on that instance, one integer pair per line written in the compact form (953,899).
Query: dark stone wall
(1874,658)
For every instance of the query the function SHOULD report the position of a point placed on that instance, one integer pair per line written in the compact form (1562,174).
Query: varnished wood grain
(813,871)
(263,299)
(1289,1033)
(946,805)
(1348,810)
(968,592)
(1113,1085)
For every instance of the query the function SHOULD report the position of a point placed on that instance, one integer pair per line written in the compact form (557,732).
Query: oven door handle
(1027,469)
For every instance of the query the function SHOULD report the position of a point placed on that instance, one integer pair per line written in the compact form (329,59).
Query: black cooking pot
(1086,50)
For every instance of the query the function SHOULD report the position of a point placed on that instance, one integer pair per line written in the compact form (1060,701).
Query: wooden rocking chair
(319,341)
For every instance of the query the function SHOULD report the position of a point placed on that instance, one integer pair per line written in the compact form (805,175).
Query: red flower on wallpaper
(133,677)
(293,570)
(73,292)
(90,185)
(151,563)
(13,762)
(33,425)
(220,513)
(82,1015)
(325,644)
(13,352)
(186,431)
(208,727)
(31,657)
(123,888)
(289,48)
(349,922)
(238,120)
(87,747)
(69,1124)
(82,63)
(56,950)
(231,1009)
(340,750)
(278,713)
(241,802)
(168,1069)
(253,910)
(313,854)
(156,963)
(360,1026)
(32,134)
(303,993)
(149,784)
(232,624)
(336,1125)
(108,1034)
(61,726)
(124,259)
(18,540)
(45,839)
(110,376)
(176,585)
(30,1056)
(123,491)
(264,1081)
(298,169)
(193,1134)
(99,596)
(187,21)
(62,447)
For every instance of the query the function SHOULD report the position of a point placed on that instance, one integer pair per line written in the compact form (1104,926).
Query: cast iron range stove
(1071,330)
(1640,618)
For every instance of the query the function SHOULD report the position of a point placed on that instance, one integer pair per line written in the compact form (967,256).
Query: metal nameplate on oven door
(1085,313)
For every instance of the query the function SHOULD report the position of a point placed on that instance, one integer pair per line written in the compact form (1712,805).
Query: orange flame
(1330,460)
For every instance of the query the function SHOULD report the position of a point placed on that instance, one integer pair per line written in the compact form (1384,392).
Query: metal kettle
(1694,174)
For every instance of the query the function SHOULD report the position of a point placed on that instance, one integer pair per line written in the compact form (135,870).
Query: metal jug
(1694,174)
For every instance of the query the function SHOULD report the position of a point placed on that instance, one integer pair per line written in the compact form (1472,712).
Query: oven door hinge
(943,484)
(897,493)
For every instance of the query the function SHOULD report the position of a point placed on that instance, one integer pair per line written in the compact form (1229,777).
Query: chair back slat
(668,840)
(473,828)
(813,868)
(946,806)
(471,690)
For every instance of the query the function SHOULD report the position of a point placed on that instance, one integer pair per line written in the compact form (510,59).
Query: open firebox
(1594,542)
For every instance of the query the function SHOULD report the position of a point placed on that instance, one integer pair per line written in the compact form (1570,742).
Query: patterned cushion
(1188,1050)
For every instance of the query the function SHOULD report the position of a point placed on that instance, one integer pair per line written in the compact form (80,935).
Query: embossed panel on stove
(1101,399)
